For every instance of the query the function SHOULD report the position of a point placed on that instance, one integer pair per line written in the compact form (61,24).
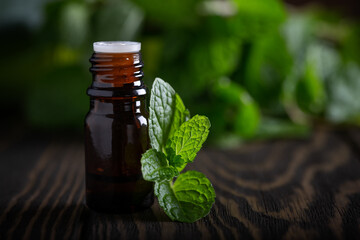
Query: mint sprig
(175,139)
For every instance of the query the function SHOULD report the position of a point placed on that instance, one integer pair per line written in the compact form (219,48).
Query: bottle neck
(116,75)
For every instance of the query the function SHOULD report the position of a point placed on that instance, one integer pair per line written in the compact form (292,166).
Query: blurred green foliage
(255,68)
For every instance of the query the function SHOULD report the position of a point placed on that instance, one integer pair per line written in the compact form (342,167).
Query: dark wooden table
(283,189)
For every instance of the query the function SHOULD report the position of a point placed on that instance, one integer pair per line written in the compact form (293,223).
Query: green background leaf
(292,63)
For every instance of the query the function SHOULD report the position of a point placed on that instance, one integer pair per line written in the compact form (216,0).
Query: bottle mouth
(117,47)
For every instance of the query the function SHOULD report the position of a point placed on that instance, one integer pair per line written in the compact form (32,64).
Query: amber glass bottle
(116,130)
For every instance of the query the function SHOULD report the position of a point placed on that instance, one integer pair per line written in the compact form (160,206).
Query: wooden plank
(285,189)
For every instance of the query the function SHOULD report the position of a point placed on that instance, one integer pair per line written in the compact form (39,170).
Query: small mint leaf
(181,114)
(155,167)
(187,115)
(175,160)
(189,199)
(188,139)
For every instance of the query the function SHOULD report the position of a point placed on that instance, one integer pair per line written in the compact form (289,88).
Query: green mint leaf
(162,102)
(189,199)
(168,201)
(175,160)
(155,167)
(167,113)
(188,139)
(195,194)
(181,114)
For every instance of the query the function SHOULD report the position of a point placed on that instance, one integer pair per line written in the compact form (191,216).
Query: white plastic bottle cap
(117,47)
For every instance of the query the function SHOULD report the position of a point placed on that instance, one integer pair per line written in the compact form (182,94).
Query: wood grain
(284,189)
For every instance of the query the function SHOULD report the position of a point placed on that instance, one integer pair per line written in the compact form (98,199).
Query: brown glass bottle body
(116,135)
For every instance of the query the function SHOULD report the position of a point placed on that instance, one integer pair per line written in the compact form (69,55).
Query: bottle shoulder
(119,109)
